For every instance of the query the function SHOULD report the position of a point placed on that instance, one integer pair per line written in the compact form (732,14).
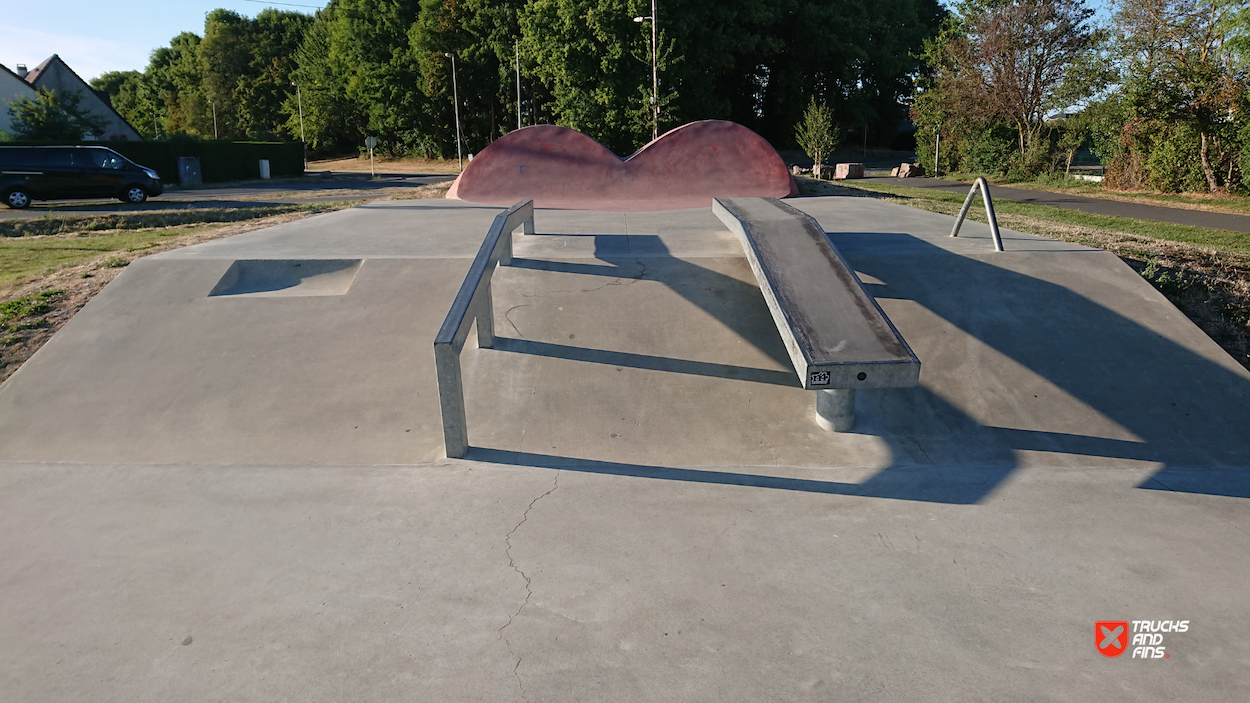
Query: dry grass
(1211,286)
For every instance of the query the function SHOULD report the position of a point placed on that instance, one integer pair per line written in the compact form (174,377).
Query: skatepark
(226,476)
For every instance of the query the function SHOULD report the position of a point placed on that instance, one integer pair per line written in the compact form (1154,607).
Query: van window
(102,158)
(52,158)
(17,157)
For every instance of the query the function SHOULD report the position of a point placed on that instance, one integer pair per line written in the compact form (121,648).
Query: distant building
(12,87)
(55,74)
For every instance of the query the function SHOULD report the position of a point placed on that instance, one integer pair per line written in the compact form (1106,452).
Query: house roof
(33,75)
(11,73)
(33,78)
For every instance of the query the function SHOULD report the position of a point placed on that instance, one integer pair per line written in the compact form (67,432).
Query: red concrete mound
(562,168)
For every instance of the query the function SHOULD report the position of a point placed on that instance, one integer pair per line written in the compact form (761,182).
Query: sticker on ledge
(820,378)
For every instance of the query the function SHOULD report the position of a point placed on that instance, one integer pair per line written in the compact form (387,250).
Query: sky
(93,40)
(94,37)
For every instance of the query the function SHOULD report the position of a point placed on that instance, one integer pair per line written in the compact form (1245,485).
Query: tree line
(1159,94)
(380,67)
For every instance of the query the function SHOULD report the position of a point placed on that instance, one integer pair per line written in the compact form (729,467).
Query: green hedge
(220,160)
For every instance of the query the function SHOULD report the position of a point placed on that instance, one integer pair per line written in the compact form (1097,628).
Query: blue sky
(93,40)
(94,37)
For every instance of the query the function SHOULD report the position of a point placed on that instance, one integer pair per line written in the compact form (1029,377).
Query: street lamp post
(299,100)
(214,104)
(518,83)
(655,73)
(455,95)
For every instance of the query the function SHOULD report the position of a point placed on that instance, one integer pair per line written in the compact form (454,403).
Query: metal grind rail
(989,211)
(473,303)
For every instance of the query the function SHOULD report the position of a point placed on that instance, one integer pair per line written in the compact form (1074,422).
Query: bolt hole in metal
(862,376)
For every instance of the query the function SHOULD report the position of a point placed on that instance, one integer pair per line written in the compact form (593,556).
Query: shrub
(220,160)
(988,153)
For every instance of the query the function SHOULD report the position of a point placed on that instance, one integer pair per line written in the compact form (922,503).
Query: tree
(481,34)
(817,135)
(329,119)
(1184,73)
(596,62)
(128,94)
(54,116)
(1009,63)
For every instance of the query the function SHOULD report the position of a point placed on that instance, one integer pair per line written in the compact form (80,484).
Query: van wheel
(134,195)
(17,199)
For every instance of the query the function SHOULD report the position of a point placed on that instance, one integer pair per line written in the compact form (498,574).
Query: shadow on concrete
(645,361)
(960,485)
(713,292)
(1183,410)
(1188,412)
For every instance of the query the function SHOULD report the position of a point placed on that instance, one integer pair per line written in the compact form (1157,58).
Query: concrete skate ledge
(837,336)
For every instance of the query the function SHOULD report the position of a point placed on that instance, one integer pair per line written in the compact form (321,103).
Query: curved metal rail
(989,211)
(473,303)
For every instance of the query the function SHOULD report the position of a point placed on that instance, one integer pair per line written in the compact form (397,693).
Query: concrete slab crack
(507,317)
(528,592)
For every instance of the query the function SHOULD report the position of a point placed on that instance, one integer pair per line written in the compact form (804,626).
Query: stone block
(910,170)
(853,170)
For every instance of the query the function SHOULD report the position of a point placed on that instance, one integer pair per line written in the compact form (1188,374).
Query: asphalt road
(256,193)
(1097,206)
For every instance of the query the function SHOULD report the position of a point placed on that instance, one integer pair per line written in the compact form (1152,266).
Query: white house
(55,74)
(12,87)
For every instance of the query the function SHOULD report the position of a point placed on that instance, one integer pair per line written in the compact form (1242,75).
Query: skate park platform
(224,477)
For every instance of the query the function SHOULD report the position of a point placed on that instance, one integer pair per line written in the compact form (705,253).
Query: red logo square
(1111,637)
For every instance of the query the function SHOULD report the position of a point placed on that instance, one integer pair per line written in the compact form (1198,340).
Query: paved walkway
(1097,206)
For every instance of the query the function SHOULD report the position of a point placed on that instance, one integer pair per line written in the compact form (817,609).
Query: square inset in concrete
(281,278)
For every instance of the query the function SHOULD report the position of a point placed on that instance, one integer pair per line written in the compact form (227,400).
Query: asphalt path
(311,189)
(1097,206)
(308,189)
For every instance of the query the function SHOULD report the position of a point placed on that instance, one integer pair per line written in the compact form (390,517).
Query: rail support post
(451,400)
(835,409)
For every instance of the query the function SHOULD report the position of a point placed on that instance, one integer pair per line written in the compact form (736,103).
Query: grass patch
(15,315)
(948,204)
(148,219)
(1230,203)
(33,256)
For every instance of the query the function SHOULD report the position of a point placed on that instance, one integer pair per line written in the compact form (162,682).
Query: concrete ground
(243,495)
(1097,206)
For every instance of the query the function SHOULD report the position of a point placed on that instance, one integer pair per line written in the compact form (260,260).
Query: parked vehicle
(59,172)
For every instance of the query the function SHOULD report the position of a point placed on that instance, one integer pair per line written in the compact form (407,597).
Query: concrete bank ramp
(241,495)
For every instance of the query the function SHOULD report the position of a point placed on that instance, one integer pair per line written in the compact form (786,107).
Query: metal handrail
(989,211)
(473,303)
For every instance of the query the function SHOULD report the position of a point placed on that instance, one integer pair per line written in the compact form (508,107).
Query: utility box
(264,169)
(189,171)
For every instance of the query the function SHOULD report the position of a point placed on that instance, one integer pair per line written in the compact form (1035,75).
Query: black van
(59,172)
